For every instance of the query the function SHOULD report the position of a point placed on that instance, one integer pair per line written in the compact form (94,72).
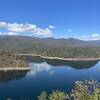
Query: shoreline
(70,59)
(59,58)
(16,69)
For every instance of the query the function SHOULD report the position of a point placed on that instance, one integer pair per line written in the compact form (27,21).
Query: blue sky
(56,18)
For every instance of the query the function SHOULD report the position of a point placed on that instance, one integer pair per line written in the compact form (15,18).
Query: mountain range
(50,46)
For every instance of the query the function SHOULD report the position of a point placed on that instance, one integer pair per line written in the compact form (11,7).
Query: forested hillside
(50,47)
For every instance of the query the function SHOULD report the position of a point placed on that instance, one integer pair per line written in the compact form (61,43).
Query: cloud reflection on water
(39,67)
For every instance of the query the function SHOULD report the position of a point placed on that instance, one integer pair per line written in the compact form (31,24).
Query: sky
(51,18)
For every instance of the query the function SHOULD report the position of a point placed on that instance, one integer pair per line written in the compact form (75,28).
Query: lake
(46,75)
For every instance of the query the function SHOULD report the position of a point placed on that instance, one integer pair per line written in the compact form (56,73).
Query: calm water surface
(46,75)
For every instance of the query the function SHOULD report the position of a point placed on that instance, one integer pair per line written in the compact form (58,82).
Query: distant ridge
(50,46)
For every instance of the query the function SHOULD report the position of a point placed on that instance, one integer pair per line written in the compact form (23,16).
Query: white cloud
(93,36)
(51,27)
(2,24)
(8,33)
(11,33)
(29,28)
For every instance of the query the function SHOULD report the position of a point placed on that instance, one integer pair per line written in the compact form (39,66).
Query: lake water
(46,75)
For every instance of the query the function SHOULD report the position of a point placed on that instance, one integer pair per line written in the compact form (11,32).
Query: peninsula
(9,61)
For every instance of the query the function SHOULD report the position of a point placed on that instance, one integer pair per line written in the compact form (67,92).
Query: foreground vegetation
(88,90)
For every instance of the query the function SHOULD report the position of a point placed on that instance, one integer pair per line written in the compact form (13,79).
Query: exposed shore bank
(16,69)
(59,58)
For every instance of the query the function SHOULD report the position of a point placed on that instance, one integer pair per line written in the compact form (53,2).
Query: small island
(10,61)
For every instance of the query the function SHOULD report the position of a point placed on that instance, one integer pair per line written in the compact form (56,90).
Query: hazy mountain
(46,41)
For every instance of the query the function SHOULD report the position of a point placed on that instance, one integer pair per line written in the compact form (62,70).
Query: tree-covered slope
(50,47)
